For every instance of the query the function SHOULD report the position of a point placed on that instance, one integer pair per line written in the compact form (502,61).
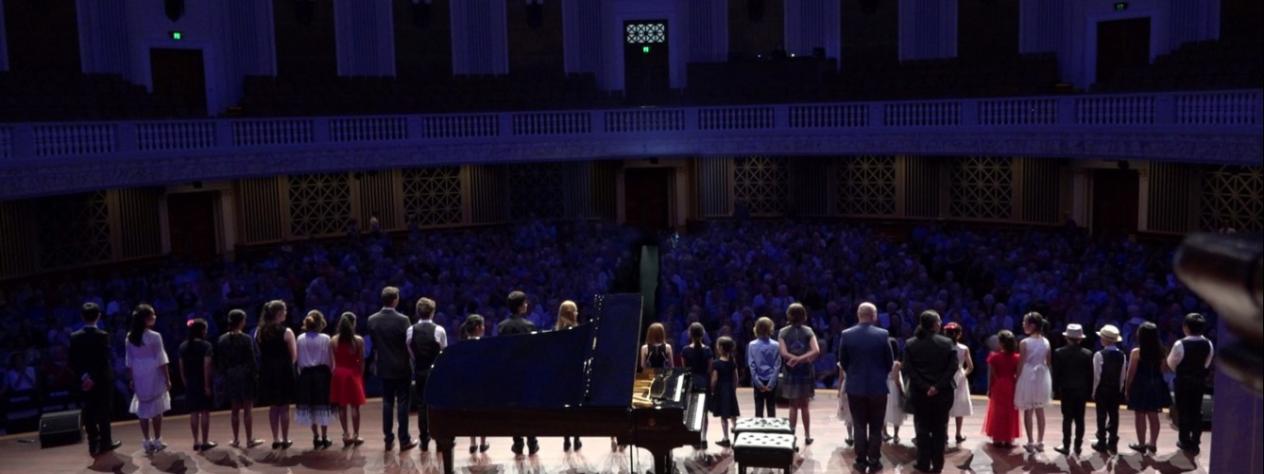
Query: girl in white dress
(895,396)
(147,360)
(844,411)
(961,406)
(1035,385)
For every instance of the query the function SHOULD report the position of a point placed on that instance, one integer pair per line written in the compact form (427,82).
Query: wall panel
(489,197)
(1040,189)
(378,195)
(1171,198)
(260,210)
(865,186)
(139,222)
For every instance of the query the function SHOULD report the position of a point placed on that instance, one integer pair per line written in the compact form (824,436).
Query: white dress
(895,402)
(149,378)
(844,410)
(1035,386)
(961,405)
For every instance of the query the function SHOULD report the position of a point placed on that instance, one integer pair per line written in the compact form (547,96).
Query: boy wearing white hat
(1072,366)
(1108,388)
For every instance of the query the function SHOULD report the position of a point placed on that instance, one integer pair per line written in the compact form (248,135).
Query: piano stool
(771,450)
(762,425)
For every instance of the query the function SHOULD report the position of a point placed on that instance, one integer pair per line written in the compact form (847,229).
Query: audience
(466,271)
(732,273)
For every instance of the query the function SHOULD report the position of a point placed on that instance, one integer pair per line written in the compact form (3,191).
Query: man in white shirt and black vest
(1108,388)
(425,340)
(1190,360)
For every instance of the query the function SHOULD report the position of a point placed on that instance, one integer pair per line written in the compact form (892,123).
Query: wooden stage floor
(18,454)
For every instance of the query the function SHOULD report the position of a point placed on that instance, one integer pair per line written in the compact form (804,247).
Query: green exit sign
(645,49)
(175,35)
(1121,6)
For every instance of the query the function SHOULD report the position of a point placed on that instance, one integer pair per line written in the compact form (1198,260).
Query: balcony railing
(1203,126)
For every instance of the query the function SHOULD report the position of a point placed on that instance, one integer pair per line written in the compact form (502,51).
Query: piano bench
(762,425)
(772,450)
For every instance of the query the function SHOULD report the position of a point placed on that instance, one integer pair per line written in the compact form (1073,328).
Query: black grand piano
(577,382)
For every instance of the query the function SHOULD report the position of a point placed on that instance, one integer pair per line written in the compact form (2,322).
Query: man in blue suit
(866,359)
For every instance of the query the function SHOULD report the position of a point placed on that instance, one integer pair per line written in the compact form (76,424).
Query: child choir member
(346,388)
(472,330)
(147,360)
(1108,388)
(656,353)
(1145,387)
(697,357)
(1191,359)
(1073,379)
(568,317)
(312,391)
(1035,385)
(763,357)
(799,349)
(195,373)
(277,354)
(239,372)
(961,405)
(723,400)
(1001,421)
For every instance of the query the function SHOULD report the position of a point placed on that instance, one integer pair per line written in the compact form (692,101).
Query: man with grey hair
(865,361)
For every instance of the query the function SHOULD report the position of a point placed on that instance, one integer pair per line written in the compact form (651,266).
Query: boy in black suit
(1108,387)
(1073,378)
(517,324)
(90,358)
(1190,359)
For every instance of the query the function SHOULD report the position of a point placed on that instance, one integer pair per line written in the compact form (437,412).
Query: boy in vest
(1108,388)
(1190,360)
(425,341)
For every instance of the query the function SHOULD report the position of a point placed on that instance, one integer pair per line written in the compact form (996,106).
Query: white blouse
(313,350)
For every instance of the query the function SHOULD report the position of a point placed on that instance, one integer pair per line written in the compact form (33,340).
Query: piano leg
(445,446)
(663,463)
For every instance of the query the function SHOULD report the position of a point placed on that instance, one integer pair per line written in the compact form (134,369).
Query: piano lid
(592,364)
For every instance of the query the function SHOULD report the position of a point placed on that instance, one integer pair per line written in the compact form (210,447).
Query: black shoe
(390,444)
(108,446)
(425,445)
(209,445)
(849,441)
(862,465)
(1140,448)
(1063,450)
(922,467)
(533,447)
(254,442)
(286,444)
(578,444)
(317,443)
(1100,447)
(566,445)
(724,443)
(277,445)
(407,445)
(961,439)
(516,448)
(328,443)
(808,441)
(473,448)
(482,448)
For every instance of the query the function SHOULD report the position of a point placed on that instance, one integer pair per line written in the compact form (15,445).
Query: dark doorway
(647,198)
(179,80)
(646,66)
(191,218)
(1115,202)
(1121,45)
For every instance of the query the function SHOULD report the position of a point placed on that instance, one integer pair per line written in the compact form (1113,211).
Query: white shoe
(159,445)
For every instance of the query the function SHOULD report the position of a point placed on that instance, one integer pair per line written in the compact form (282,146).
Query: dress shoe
(533,447)
(405,446)
(578,444)
(109,446)
(516,448)
(1063,450)
(566,445)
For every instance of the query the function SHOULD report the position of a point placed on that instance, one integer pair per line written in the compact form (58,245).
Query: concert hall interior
(631,236)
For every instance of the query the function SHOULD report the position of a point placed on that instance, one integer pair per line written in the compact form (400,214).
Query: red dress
(347,385)
(1001,423)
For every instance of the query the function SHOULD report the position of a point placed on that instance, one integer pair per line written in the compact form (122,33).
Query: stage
(21,453)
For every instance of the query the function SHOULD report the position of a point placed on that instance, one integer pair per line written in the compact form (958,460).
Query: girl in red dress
(1001,423)
(346,389)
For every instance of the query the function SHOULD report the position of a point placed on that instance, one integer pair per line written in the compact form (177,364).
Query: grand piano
(581,381)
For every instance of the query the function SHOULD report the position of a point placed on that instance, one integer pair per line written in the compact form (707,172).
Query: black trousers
(1073,414)
(97,404)
(766,400)
(930,421)
(423,418)
(1189,411)
(867,416)
(1108,420)
(395,398)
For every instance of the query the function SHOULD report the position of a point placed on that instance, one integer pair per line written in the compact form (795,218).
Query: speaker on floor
(60,428)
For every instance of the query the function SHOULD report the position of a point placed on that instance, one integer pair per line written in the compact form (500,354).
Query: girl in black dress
(238,372)
(472,330)
(697,357)
(278,352)
(195,372)
(656,353)
(724,387)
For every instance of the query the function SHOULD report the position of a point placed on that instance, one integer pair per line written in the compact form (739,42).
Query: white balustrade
(552,123)
(460,126)
(645,120)
(175,135)
(368,129)
(272,132)
(922,114)
(1115,110)
(1022,111)
(74,139)
(735,118)
(829,116)
(1218,108)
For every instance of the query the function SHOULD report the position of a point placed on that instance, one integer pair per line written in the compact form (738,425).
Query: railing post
(22,139)
(781,117)
(1066,111)
(320,130)
(969,112)
(223,133)
(598,120)
(506,124)
(875,115)
(693,119)
(127,139)
(1165,109)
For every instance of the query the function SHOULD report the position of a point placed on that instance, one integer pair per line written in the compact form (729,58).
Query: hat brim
(1109,337)
(1073,336)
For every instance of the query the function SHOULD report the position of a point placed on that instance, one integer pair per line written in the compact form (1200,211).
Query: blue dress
(1149,390)
(723,402)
